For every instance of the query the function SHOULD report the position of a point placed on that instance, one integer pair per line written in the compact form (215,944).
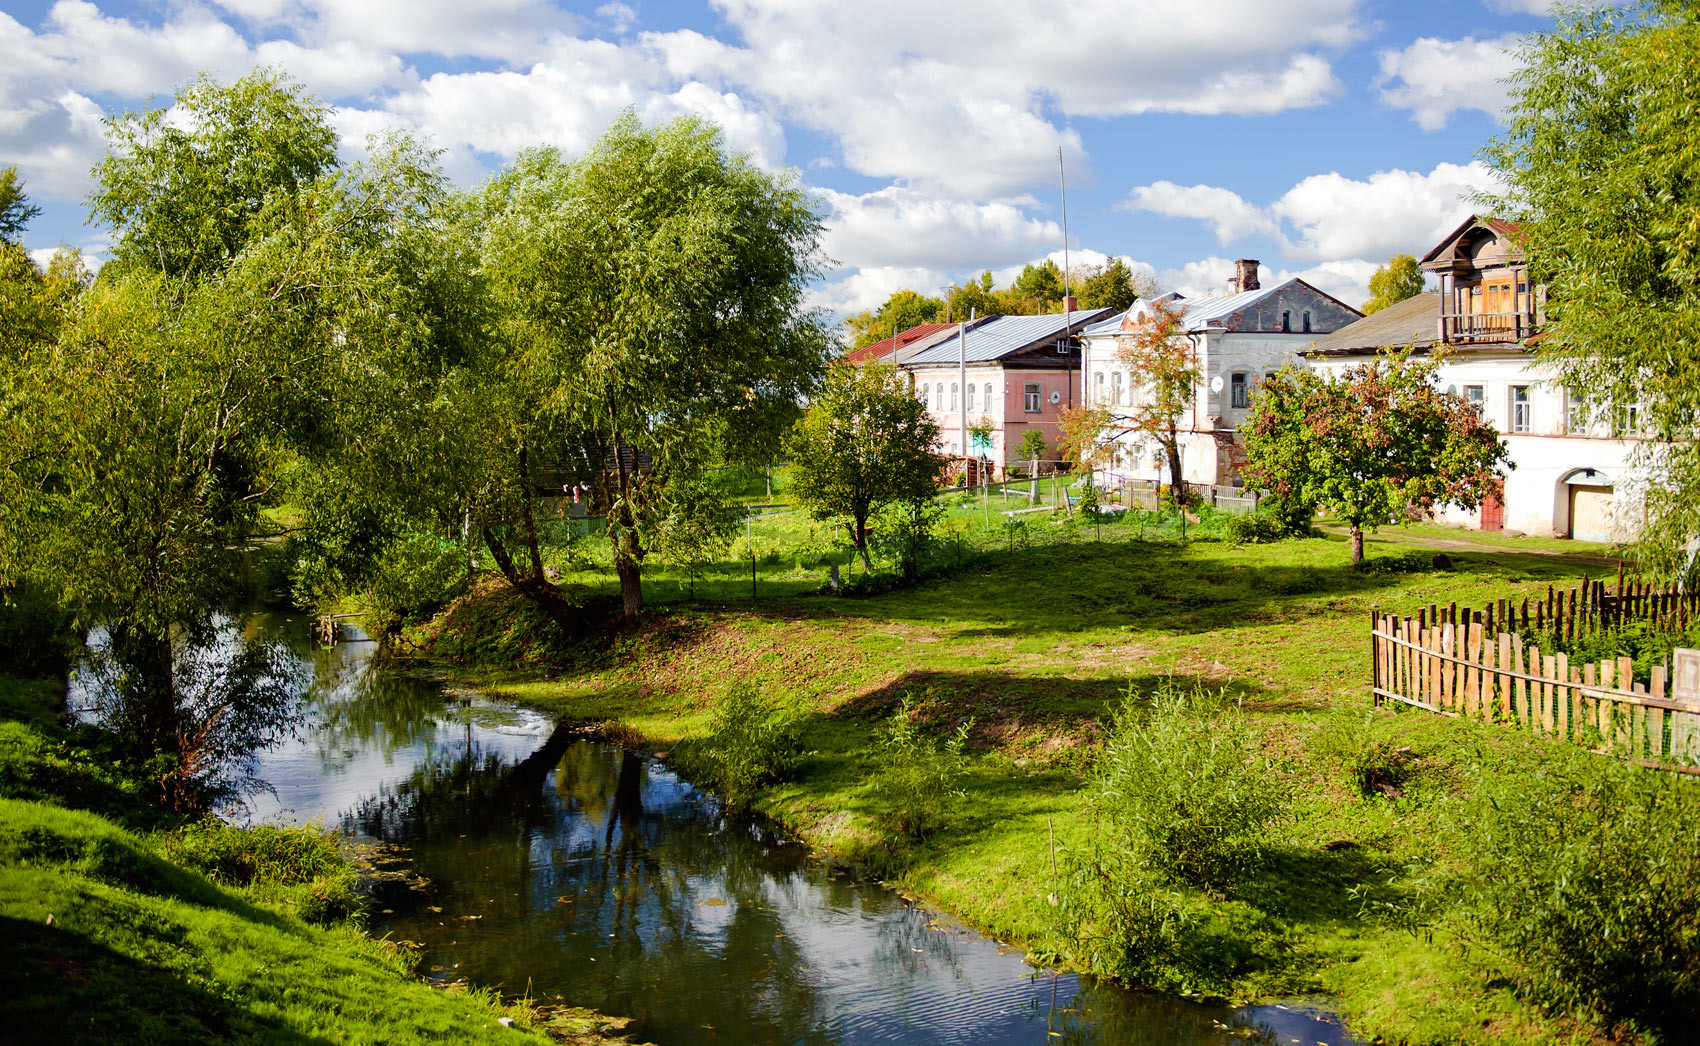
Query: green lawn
(1039,645)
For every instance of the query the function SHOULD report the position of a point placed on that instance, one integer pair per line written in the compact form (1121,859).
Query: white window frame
(1032,398)
(987,406)
(954,393)
(1476,394)
(1522,410)
(1239,390)
(968,400)
(1117,390)
(1577,413)
(1098,388)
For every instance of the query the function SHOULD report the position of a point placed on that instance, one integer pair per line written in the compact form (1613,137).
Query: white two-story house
(1238,339)
(1573,475)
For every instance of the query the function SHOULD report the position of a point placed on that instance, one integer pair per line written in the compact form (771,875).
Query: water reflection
(568,868)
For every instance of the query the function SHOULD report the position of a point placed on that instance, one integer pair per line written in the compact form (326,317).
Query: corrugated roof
(1113,324)
(1414,322)
(879,350)
(1003,335)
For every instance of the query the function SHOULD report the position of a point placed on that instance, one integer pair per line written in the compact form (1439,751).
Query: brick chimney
(1071,304)
(1245,276)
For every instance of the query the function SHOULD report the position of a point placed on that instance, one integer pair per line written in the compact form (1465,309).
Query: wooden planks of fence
(1593,606)
(1465,668)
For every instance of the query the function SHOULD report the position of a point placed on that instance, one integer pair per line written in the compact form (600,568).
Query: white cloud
(1225,211)
(1346,279)
(1329,216)
(1435,78)
(619,16)
(509,30)
(903,227)
(869,288)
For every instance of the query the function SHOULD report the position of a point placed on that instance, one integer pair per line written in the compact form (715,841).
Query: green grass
(1040,645)
(111,941)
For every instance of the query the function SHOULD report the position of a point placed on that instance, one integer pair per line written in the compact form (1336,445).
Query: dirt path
(1465,544)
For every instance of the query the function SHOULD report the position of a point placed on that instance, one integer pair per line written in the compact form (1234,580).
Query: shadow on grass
(66,987)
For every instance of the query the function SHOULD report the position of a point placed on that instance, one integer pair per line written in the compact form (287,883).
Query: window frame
(1522,410)
(1032,398)
(1239,390)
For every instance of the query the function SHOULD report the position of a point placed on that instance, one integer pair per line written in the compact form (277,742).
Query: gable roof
(1200,314)
(1412,322)
(1001,336)
(1511,232)
(1113,324)
(879,350)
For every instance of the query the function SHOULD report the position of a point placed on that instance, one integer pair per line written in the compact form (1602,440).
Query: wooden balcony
(1474,327)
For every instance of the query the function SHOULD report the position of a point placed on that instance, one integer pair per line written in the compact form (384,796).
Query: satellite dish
(1056,397)
(1216,383)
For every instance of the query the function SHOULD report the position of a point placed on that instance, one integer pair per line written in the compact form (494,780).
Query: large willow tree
(1601,164)
(646,304)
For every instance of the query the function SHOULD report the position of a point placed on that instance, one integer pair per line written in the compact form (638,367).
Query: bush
(1182,788)
(916,771)
(36,638)
(303,867)
(416,576)
(1253,528)
(750,745)
(1583,879)
(1373,765)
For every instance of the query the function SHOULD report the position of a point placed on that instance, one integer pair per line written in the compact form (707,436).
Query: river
(562,867)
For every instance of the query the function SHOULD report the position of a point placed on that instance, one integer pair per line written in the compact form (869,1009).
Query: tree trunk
(1357,544)
(1177,475)
(544,595)
(631,585)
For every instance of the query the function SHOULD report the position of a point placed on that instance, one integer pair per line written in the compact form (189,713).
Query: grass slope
(1039,646)
(113,943)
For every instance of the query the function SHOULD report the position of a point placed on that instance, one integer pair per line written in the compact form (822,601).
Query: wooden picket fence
(1465,665)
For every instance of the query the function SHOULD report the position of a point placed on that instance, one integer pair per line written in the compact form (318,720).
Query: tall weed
(750,744)
(304,868)
(916,772)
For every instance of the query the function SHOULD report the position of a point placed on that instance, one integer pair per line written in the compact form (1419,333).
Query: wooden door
(1590,513)
(1493,510)
(1499,297)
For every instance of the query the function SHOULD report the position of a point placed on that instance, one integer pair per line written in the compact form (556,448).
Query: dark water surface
(566,868)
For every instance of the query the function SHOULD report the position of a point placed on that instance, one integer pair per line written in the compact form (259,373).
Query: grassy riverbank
(1040,647)
(129,925)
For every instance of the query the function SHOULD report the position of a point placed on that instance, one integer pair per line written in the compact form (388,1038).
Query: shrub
(1182,789)
(916,771)
(305,867)
(750,745)
(1373,765)
(1583,879)
(416,575)
(1253,528)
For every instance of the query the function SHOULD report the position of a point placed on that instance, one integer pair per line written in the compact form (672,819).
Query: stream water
(568,869)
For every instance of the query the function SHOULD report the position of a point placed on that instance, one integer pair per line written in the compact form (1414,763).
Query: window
(1268,374)
(1307,321)
(1576,411)
(970,402)
(1098,387)
(1286,322)
(1476,396)
(926,396)
(1238,394)
(1628,420)
(953,395)
(988,407)
(1521,409)
(1116,387)
(1031,397)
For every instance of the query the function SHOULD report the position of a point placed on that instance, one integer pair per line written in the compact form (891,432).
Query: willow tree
(648,297)
(1601,167)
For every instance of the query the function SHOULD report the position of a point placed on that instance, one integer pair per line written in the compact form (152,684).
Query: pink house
(1008,373)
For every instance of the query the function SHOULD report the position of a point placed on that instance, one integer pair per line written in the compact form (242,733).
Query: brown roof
(1413,322)
(879,350)
(1512,231)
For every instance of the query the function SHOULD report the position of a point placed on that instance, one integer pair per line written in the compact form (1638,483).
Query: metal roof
(1113,325)
(1410,322)
(1003,335)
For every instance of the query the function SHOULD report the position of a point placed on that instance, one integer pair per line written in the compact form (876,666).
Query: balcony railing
(1486,326)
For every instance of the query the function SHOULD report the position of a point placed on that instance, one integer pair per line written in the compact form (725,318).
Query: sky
(1318,136)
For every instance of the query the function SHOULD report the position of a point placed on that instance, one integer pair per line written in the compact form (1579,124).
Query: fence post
(752,573)
(1374,658)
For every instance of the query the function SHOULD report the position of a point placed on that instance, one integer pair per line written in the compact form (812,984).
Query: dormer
(1485,291)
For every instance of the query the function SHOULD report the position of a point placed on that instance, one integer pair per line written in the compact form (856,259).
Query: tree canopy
(1370,442)
(904,309)
(16,211)
(1601,167)
(865,443)
(1392,283)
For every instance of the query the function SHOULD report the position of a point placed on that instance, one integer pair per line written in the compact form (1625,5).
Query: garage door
(1590,513)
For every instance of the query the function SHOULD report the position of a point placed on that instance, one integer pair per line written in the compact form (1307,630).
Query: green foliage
(1253,528)
(413,578)
(1639,641)
(865,443)
(1370,443)
(1392,283)
(1600,167)
(905,533)
(750,744)
(15,209)
(1163,365)
(903,310)
(917,770)
(1110,286)
(1373,763)
(1032,446)
(36,638)
(1581,885)
(304,866)
(1183,790)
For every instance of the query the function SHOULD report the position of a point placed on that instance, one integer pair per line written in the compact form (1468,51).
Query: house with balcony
(1573,475)
(1237,339)
(989,381)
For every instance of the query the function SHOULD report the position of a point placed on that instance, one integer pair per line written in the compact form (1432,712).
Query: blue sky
(1320,136)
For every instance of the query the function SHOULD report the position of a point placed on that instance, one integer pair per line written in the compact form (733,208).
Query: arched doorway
(1586,506)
